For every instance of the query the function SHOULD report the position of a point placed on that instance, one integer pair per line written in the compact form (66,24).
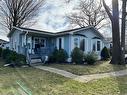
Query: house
(108,42)
(33,43)
(4,44)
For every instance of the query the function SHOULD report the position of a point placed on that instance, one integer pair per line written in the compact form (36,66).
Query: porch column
(29,44)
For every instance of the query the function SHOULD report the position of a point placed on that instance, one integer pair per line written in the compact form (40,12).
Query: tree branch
(107,10)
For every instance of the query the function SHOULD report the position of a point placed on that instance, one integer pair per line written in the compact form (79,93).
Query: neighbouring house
(33,43)
(4,44)
(108,42)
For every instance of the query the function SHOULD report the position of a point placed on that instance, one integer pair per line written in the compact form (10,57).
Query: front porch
(38,46)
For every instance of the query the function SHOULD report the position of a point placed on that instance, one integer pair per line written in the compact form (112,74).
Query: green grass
(44,83)
(100,67)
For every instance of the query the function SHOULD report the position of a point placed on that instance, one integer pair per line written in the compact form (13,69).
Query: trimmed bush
(61,56)
(58,56)
(91,58)
(105,54)
(77,56)
(1,52)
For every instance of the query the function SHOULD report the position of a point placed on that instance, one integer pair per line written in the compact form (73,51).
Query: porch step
(36,58)
(36,61)
(36,64)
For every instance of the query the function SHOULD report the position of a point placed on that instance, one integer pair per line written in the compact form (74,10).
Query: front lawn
(40,82)
(100,67)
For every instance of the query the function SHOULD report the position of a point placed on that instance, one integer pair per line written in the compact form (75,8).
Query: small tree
(77,56)
(105,55)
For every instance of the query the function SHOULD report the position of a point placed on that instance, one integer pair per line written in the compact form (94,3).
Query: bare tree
(90,13)
(18,12)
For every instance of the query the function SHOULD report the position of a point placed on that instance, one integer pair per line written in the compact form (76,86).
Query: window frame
(98,48)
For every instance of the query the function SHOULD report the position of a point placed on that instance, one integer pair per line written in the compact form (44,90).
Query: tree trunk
(123,32)
(116,51)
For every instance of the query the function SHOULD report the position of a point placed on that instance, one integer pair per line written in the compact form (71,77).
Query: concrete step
(36,61)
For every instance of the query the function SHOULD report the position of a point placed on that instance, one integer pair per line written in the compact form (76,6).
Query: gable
(90,33)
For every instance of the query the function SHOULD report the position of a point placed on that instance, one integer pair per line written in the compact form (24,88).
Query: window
(98,45)
(60,43)
(42,43)
(75,42)
(94,47)
(82,44)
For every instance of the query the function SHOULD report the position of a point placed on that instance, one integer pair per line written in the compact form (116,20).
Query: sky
(52,16)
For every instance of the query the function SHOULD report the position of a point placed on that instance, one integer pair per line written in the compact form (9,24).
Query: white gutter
(17,28)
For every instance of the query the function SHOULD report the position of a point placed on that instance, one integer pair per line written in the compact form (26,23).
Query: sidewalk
(83,78)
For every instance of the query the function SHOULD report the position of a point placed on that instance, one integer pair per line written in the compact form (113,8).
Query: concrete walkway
(57,71)
(83,78)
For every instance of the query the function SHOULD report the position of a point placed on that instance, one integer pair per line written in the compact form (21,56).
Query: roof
(57,33)
(3,41)
(108,40)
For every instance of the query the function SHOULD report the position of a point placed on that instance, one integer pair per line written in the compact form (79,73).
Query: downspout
(25,41)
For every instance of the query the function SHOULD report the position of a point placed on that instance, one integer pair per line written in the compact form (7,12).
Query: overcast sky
(52,16)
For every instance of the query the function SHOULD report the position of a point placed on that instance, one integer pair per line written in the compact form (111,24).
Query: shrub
(77,56)
(1,52)
(91,58)
(58,56)
(105,54)
(5,53)
(21,60)
(61,56)
(13,57)
(53,56)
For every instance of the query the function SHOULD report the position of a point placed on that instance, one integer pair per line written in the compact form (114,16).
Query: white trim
(50,33)
(97,47)
(87,46)
(62,42)
(71,44)
(91,44)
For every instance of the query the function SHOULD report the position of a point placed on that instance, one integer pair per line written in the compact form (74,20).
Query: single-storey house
(31,42)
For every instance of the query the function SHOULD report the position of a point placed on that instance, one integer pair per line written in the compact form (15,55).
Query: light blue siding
(66,43)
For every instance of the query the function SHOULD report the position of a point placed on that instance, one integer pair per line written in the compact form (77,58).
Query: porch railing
(43,51)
